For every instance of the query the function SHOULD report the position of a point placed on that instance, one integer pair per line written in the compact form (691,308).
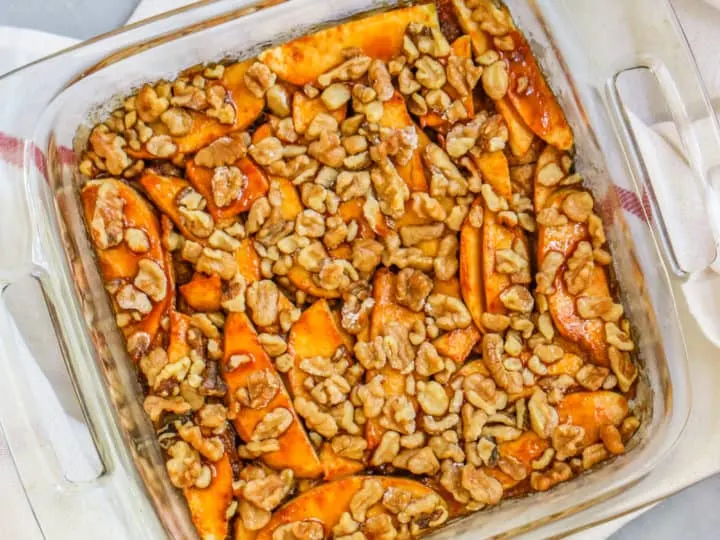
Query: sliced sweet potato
(458,344)
(305,109)
(353,210)
(202,293)
(481,42)
(291,203)
(450,287)
(461,47)
(385,312)
(296,452)
(395,115)
(163,191)
(178,346)
(569,364)
(495,171)
(471,283)
(550,155)
(208,506)
(119,262)
(242,533)
(257,186)
(315,333)
(536,104)
(588,333)
(379,36)
(337,466)
(248,261)
(591,411)
(494,238)
(524,450)
(262,132)
(327,502)
(520,136)
(303,280)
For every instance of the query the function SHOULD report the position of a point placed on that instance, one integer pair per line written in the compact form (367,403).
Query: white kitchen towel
(19,46)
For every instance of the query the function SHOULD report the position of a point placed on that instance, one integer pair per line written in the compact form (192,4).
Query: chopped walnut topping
(567,440)
(107,226)
(623,368)
(273,424)
(560,472)
(482,487)
(151,279)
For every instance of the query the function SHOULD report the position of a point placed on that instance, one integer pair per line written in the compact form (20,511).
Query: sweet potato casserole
(365,290)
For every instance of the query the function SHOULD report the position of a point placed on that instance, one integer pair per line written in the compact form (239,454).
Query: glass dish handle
(40,434)
(660,48)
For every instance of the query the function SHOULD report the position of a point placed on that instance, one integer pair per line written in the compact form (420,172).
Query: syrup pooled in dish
(364,288)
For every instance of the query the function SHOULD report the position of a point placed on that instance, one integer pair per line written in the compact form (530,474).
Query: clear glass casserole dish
(42,234)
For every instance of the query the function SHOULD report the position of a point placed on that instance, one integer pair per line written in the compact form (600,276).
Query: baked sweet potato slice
(337,466)
(481,42)
(296,452)
(353,210)
(494,238)
(591,411)
(248,261)
(523,451)
(291,203)
(303,280)
(471,283)
(247,108)
(384,312)
(305,109)
(461,47)
(456,344)
(118,262)
(379,36)
(396,115)
(208,506)
(202,293)
(164,191)
(256,187)
(520,136)
(536,104)
(588,333)
(495,170)
(325,504)
(315,333)
(178,346)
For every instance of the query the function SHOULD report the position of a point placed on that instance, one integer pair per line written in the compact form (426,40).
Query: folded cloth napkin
(20,46)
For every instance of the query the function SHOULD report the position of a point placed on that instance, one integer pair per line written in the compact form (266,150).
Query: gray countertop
(689,514)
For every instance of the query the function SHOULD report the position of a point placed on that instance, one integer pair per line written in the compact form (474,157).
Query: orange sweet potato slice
(291,204)
(262,132)
(461,47)
(395,115)
(471,283)
(247,108)
(327,502)
(305,109)
(353,210)
(591,411)
(458,344)
(337,466)
(536,104)
(257,186)
(303,280)
(588,333)
(524,450)
(163,191)
(119,262)
(178,346)
(520,136)
(550,155)
(494,238)
(315,333)
(495,170)
(202,293)
(296,452)
(208,506)
(379,36)
(248,261)
(384,312)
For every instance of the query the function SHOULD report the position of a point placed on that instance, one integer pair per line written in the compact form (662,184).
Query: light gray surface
(690,514)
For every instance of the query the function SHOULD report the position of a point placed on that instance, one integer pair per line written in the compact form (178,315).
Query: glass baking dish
(42,234)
